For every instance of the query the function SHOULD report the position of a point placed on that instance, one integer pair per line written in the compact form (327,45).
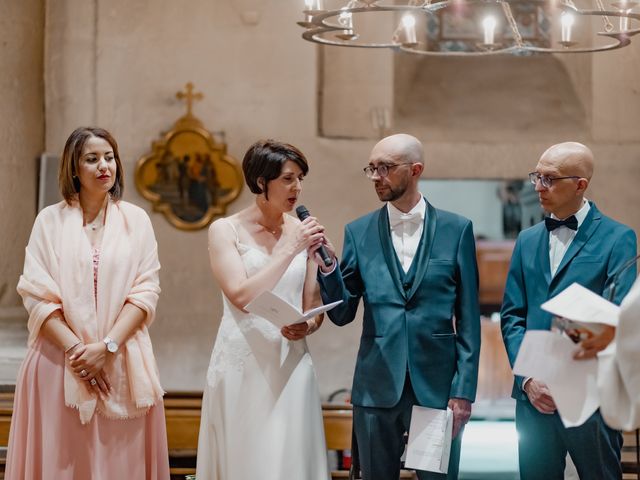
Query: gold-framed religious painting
(188,175)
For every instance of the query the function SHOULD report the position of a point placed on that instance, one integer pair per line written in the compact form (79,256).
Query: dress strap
(233,227)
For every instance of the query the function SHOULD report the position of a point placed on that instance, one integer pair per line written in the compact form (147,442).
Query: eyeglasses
(382,169)
(545,180)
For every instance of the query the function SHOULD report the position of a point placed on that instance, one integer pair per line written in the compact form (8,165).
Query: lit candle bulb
(409,29)
(624,21)
(346,20)
(489,26)
(566,20)
(307,22)
(313,5)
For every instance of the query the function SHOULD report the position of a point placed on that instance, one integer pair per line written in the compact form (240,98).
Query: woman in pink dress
(88,401)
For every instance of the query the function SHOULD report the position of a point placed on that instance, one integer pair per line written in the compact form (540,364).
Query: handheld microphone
(303,213)
(616,276)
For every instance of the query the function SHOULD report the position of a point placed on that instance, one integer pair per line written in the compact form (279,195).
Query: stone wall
(22,141)
(118,64)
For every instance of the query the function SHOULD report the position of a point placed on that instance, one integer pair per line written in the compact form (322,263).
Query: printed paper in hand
(280,312)
(548,356)
(581,305)
(429,439)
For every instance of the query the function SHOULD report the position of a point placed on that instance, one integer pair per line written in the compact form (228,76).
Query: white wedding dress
(261,411)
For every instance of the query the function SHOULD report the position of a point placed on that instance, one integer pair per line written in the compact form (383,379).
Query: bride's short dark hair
(264,161)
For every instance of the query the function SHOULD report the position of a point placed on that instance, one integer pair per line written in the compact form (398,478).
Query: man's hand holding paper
(593,344)
(586,317)
(548,357)
(461,409)
(430,435)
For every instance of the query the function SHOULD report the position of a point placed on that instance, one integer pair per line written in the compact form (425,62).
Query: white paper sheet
(429,444)
(548,357)
(280,312)
(580,304)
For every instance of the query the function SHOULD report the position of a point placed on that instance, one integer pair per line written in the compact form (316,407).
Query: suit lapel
(388,251)
(586,230)
(423,254)
(543,254)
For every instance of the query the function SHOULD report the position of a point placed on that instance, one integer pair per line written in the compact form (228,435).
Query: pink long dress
(48,442)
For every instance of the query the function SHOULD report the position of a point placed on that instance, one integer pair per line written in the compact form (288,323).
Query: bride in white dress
(261,411)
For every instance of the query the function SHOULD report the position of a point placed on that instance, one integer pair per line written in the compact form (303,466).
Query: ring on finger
(83,373)
(93,382)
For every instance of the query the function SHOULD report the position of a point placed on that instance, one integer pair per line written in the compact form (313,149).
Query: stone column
(22,140)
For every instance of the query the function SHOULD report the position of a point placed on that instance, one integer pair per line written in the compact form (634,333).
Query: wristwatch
(111,344)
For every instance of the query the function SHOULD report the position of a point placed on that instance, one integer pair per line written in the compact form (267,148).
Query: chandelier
(474,27)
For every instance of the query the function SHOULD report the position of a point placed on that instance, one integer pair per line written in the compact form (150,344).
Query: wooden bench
(182,415)
(6,407)
(182,412)
(338,421)
(630,455)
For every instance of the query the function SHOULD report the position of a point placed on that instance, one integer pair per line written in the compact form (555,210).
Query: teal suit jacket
(409,318)
(598,251)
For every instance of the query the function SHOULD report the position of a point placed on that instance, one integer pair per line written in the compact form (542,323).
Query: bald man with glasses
(414,267)
(575,243)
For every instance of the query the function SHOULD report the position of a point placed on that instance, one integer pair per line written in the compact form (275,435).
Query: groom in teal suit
(414,267)
(576,243)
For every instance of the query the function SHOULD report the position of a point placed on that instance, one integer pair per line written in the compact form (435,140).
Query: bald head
(401,147)
(569,158)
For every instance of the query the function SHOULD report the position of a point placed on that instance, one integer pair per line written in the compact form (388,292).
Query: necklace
(99,221)
(272,231)
(94,225)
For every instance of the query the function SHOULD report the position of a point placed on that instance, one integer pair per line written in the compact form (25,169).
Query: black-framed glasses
(382,169)
(545,180)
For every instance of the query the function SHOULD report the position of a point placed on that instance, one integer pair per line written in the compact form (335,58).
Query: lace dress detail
(231,347)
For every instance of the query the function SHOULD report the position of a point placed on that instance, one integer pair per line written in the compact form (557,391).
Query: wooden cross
(189,96)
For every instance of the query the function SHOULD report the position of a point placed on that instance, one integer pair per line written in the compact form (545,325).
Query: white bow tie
(399,218)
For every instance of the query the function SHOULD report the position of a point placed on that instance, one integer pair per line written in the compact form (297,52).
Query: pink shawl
(58,274)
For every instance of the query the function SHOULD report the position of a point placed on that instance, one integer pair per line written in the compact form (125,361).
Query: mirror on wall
(499,209)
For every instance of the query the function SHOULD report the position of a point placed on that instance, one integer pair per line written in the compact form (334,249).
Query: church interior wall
(118,64)
(21,135)
(22,141)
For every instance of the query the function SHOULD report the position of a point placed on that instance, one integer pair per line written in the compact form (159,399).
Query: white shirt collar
(419,210)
